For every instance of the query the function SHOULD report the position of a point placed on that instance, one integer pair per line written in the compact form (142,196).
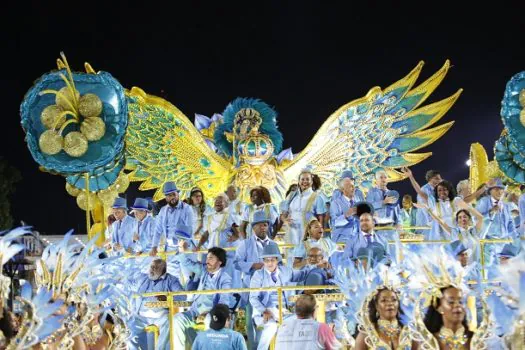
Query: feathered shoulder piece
(8,249)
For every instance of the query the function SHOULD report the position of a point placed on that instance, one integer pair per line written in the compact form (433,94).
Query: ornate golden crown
(256,148)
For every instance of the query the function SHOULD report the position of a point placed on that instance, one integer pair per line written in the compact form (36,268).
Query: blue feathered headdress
(267,127)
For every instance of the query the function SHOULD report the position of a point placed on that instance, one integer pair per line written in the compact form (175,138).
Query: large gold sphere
(72,190)
(107,196)
(50,142)
(82,200)
(522,98)
(122,183)
(64,95)
(93,128)
(75,144)
(522,117)
(90,106)
(50,115)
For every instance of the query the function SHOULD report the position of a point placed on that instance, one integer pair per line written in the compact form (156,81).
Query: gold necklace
(389,328)
(455,341)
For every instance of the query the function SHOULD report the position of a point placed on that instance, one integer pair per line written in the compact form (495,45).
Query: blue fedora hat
(271,251)
(363,253)
(498,184)
(509,251)
(347,174)
(183,232)
(120,203)
(258,217)
(169,187)
(457,247)
(140,204)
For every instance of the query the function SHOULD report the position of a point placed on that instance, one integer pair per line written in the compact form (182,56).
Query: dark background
(304,58)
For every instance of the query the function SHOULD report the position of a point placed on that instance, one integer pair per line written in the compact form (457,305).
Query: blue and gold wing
(163,145)
(381,130)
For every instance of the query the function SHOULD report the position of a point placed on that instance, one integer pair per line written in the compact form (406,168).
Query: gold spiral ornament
(72,190)
(90,106)
(50,115)
(50,142)
(75,144)
(93,128)
(122,183)
(65,100)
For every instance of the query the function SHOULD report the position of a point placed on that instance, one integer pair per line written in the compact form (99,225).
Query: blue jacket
(204,303)
(166,283)
(169,218)
(122,233)
(261,278)
(359,241)
(343,228)
(246,255)
(145,230)
(499,224)
(384,211)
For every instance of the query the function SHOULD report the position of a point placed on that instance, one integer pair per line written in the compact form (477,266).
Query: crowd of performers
(454,289)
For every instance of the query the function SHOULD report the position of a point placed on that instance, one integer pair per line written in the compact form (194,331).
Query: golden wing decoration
(163,145)
(379,130)
(479,163)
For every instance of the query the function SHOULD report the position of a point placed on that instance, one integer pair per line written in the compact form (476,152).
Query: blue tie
(118,231)
(274,276)
(368,239)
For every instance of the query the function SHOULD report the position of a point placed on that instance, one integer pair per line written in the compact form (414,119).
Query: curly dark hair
(372,308)
(262,193)
(434,320)
(448,185)
(220,254)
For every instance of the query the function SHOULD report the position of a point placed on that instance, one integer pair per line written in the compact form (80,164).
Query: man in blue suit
(176,212)
(248,260)
(365,237)
(143,227)
(122,228)
(213,277)
(265,304)
(343,220)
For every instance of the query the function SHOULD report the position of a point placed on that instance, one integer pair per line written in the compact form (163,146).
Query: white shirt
(212,224)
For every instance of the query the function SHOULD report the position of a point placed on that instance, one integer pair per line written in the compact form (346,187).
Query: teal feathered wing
(509,150)
(381,130)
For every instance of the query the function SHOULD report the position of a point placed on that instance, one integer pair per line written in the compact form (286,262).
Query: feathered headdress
(265,115)
(431,270)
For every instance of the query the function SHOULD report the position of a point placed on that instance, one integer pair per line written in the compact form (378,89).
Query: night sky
(305,59)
